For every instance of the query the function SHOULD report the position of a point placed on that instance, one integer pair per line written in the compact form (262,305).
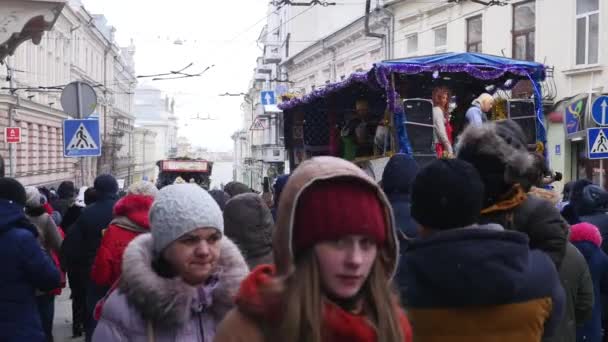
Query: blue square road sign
(81,138)
(597,143)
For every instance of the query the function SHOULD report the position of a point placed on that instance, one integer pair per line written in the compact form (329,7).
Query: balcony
(272,55)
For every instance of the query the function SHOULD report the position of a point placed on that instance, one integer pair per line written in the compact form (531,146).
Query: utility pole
(11,117)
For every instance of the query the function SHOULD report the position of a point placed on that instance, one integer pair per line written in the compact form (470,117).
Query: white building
(565,35)
(259,146)
(143,151)
(157,114)
(81,47)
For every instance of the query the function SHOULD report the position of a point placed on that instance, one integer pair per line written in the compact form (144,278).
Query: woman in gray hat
(180,280)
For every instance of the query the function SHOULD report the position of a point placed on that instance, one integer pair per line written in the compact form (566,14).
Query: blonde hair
(302,299)
(484,98)
(437,93)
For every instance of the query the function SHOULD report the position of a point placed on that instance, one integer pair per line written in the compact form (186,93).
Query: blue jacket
(591,331)
(25,269)
(481,284)
(397,179)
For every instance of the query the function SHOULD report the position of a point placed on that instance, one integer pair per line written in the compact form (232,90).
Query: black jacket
(538,219)
(80,245)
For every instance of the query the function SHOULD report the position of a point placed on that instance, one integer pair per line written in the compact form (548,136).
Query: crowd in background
(470,248)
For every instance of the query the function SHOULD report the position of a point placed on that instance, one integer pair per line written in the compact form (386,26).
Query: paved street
(62,328)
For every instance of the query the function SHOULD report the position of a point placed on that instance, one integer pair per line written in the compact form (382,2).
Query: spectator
(25,268)
(90,196)
(220,198)
(278,186)
(397,180)
(587,238)
(470,282)
(565,196)
(80,246)
(498,152)
(335,250)
(65,197)
(50,239)
(179,281)
(577,283)
(248,222)
(236,188)
(130,220)
(1,167)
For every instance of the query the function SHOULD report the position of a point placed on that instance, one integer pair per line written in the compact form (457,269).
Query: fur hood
(504,142)
(169,302)
(499,152)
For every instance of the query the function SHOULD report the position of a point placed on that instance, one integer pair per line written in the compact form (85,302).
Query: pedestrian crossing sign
(597,143)
(81,138)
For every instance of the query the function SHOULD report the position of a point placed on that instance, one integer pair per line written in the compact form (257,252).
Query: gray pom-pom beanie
(179,209)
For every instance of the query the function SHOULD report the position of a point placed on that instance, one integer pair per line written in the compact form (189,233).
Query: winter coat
(130,220)
(25,269)
(538,219)
(248,222)
(397,179)
(600,220)
(70,217)
(591,330)
(48,233)
(481,284)
(576,281)
(247,321)
(80,246)
(175,311)
(62,205)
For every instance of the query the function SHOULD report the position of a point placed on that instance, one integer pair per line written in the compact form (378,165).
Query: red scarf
(338,324)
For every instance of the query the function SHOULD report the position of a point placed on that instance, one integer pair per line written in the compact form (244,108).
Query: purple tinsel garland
(359,77)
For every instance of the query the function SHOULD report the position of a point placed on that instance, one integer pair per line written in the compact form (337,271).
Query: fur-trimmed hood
(170,302)
(499,152)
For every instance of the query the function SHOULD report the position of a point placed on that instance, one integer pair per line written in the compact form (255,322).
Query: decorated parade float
(389,109)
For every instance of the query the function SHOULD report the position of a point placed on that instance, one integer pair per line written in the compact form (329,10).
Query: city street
(62,326)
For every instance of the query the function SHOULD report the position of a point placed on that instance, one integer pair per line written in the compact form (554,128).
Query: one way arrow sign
(599,110)
(268,98)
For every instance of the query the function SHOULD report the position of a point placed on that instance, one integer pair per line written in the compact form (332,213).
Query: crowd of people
(468,248)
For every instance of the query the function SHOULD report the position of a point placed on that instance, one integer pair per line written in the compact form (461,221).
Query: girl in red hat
(335,252)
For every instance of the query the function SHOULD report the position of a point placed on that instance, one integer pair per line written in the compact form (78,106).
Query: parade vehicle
(189,170)
(372,115)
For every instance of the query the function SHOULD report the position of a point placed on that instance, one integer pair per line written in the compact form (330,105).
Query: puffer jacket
(130,220)
(25,269)
(588,241)
(249,320)
(538,219)
(248,222)
(478,284)
(578,286)
(146,304)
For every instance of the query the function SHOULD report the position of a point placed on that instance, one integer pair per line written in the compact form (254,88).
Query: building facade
(80,47)
(157,114)
(144,165)
(571,46)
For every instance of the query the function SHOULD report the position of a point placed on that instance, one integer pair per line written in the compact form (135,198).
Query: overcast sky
(222,32)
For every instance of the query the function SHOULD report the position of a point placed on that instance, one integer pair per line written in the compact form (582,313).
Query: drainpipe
(368,32)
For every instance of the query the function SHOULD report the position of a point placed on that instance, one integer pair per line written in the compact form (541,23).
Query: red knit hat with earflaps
(331,209)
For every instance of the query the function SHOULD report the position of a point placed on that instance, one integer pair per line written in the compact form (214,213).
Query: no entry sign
(12,135)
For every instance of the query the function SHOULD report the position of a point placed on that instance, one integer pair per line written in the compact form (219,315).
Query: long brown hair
(437,93)
(302,298)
